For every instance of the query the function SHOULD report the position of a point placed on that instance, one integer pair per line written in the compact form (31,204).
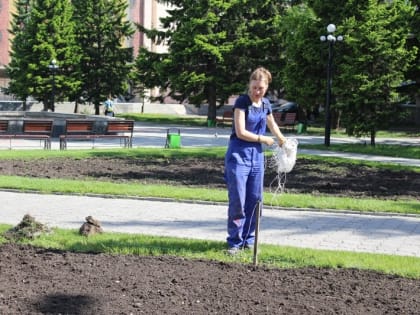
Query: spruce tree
(374,64)
(213,45)
(102,31)
(50,36)
(17,68)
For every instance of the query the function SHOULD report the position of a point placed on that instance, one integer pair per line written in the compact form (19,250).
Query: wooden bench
(288,121)
(76,129)
(121,129)
(32,129)
(226,119)
(4,131)
(83,129)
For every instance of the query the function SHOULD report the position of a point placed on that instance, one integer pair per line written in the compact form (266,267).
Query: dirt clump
(28,228)
(90,227)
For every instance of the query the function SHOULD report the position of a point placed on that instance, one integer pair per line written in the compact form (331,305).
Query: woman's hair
(261,74)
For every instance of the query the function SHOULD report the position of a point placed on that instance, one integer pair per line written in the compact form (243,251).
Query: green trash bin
(211,123)
(301,128)
(173,138)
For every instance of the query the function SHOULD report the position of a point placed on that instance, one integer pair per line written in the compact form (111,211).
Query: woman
(244,160)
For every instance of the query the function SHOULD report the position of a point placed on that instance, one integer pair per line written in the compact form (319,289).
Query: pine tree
(102,29)
(412,89)
(374,64)
(50,36)
(20,49)
(213,45)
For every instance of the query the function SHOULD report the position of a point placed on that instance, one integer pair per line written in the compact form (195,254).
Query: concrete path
(387,234)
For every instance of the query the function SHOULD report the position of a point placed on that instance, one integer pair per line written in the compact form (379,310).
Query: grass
(167,119)
(406,151)
(215,152)
(269,255)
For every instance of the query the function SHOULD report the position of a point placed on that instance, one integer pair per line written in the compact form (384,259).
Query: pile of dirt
(28,228)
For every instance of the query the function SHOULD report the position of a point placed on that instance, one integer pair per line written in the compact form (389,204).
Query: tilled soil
(55,282)
(40,281)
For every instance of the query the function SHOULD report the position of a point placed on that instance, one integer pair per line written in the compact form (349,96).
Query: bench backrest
(79,126)
(277,118)
(227,114)
(4,126)
(38,127)
(116,126)
(290,118)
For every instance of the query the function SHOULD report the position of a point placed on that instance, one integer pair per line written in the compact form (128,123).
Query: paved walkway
(399,235)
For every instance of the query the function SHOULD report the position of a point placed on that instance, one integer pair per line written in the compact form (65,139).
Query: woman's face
(257,89)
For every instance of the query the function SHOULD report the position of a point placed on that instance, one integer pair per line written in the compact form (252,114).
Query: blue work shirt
(255,117)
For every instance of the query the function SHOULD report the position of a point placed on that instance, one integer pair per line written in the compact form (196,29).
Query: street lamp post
(331,40)
(53,68)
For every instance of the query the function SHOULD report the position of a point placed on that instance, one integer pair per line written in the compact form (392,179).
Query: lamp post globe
(331,28)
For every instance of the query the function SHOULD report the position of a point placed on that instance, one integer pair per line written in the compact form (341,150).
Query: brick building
(144,12)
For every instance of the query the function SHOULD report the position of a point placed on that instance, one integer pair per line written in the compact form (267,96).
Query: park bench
(285,120)
(76,129)
(84,129)
(120,129)
(226,119)
(32,129)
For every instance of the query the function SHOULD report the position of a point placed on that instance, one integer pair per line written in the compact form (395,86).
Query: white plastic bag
(284,157)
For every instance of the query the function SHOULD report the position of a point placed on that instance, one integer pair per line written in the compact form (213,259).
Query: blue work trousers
(244,174)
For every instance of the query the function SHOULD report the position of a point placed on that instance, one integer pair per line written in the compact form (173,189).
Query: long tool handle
(257,230)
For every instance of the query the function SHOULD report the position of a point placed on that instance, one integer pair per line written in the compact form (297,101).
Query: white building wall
(153,11)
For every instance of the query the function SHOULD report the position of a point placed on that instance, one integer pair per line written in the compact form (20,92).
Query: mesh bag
(284,157)
(282,161)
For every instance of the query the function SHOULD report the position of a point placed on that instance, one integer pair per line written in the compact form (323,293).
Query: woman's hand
(267,140)
(282,141)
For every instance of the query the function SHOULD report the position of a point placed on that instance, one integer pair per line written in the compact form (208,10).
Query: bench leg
(63,144)
(47,144)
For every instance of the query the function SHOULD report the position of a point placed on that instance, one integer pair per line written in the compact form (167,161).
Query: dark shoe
(249,247)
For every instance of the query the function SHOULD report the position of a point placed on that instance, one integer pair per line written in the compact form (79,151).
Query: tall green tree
(303,65)
(102,31)
(412,88)
(50,35)
(20,50)
(373,66)
(213,45)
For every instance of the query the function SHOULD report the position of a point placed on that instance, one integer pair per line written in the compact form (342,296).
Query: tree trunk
(417,113)
(372,137)
(76,107)
(211,112)
(46,103)
(97,108)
